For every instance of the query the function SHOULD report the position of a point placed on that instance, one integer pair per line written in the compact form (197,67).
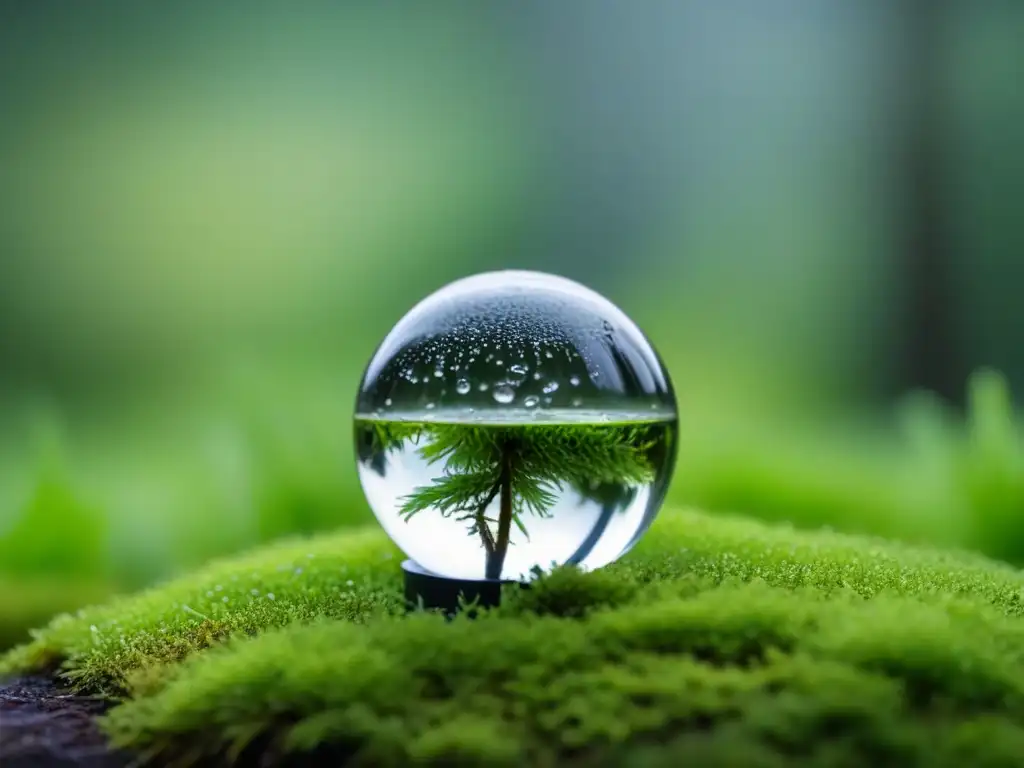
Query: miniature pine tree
(524,467)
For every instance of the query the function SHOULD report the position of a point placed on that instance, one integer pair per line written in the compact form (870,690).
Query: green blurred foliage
(57,534)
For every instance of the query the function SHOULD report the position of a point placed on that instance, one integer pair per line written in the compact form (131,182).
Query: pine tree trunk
(496,559)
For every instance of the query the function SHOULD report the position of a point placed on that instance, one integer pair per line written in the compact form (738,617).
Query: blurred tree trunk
(928,347)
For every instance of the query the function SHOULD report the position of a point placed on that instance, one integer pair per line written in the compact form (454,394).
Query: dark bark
(45,726)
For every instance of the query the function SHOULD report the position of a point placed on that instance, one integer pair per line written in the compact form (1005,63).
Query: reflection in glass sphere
(512,421)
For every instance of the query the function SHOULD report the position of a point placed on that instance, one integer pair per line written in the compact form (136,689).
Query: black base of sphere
(424,589)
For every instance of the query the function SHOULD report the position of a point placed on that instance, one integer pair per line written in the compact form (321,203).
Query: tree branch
(481,520)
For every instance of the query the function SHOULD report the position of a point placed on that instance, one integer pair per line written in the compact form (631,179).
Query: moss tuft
(570,593)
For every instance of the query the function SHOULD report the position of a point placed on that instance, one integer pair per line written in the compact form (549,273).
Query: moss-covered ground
(717,641)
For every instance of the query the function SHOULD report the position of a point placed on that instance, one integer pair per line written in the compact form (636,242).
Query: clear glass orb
(514,421)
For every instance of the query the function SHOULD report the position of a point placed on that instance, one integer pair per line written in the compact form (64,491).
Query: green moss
(782,674)
(347,576)
(717,639)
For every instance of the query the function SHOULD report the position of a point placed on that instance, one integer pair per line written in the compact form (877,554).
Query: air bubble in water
(504,394)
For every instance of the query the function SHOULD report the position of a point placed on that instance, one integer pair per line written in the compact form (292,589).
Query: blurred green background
(210,215)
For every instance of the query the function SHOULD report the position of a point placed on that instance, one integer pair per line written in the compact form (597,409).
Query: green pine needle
(543,459)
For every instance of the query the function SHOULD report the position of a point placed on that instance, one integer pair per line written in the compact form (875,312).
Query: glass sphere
(513,421)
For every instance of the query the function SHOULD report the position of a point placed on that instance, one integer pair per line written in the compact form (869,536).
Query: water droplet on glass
(430,406)
(551,386)
(548,355)
(574,380)
(387,402)
(438,374)
(462,387)
(531,401)
(537,375)
(483,386)
(504,394)
(518,369)
(577,402)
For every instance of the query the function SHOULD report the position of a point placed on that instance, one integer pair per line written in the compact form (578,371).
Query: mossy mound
(349,577)
(718,641)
